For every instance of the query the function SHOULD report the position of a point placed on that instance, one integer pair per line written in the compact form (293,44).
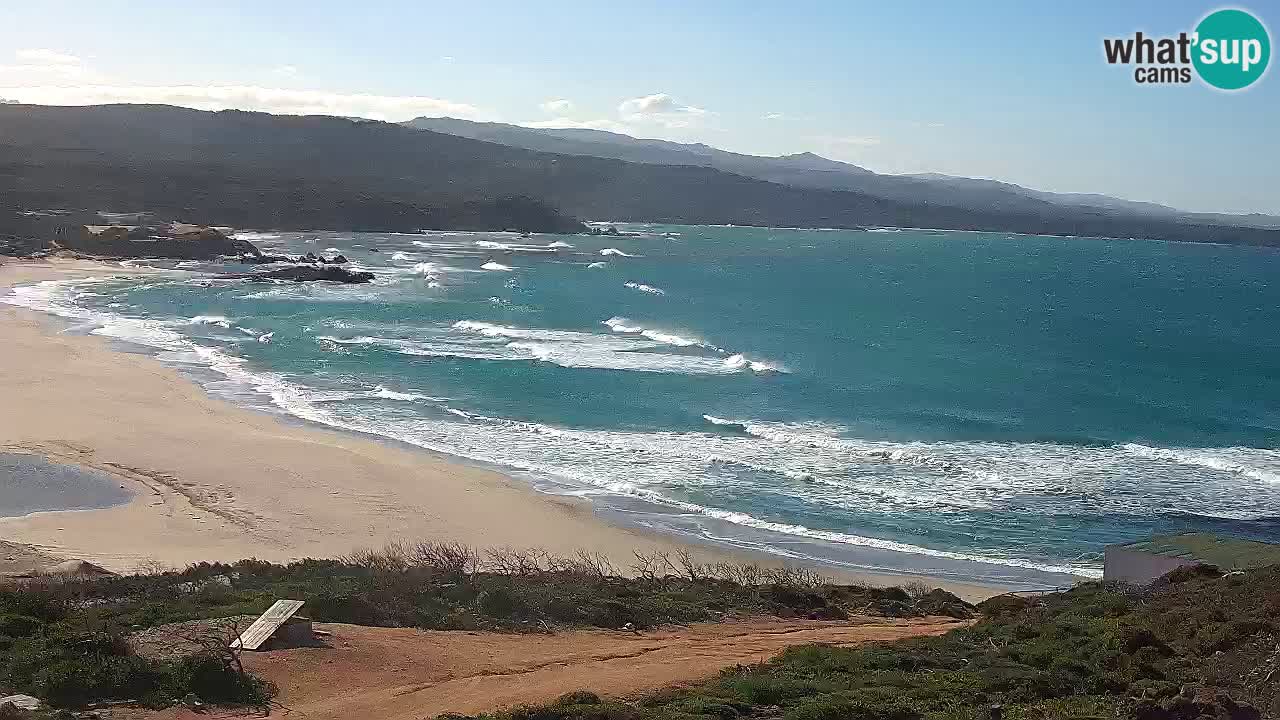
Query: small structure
(1143,561)
(278,625)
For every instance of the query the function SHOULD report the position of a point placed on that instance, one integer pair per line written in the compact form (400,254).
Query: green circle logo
(1232,49)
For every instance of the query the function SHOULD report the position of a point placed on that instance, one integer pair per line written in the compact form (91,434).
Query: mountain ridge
(808,169)
(249,169)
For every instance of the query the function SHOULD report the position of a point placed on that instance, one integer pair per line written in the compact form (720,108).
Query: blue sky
(1016,91)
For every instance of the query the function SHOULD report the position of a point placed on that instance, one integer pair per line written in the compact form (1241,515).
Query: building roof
(1226,553)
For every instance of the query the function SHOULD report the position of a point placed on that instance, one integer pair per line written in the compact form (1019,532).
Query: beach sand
(214,481)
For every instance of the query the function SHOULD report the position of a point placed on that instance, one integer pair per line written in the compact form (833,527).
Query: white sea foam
(266,337)
(1254,463)
(428,270)
(571,348)
(597,265)
(616,252)
(725,422)
(251,236)
(645,288)
(622,325)
(491,265)
(387,394)
(741,362)
(219,320)
(403,256)
(559,244)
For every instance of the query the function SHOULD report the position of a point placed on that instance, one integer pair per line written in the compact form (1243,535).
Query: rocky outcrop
(179,242)
(267,258)
(312,273)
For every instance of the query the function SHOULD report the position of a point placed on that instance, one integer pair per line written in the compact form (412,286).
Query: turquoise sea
(974,405)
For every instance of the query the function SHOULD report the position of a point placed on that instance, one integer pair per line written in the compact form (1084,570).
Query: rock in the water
(182,242)
(312,273)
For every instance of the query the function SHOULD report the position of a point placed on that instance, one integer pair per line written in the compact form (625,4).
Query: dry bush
(796,577)
(151,566)
(652,566)
(690,568)
(583,562)
(454,559)
(394,557)
(915,589)
(519,563)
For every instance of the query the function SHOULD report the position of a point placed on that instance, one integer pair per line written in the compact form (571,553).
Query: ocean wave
(559,244)
(491,265)
(597,265)
(385,393)
(218,320)
(576,349)
(429,270)
(616,252)
(725,422)
(251,236)
(645,288)
(403,256)
(740,362)
(1253,463)
(621,325)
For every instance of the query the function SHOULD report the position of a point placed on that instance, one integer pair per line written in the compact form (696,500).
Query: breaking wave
(645,288)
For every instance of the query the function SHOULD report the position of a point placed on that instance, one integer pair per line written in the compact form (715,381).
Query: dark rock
(260,258)
(145,242)
(309,273)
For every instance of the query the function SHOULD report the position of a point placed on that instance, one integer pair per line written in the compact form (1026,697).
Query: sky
(1003,89)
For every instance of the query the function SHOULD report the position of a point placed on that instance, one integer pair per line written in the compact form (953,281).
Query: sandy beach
(213,481)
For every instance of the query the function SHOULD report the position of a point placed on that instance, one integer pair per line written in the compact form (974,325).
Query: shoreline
(215,481)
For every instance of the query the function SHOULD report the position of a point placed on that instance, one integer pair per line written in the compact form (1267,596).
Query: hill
(258,170)
(813,171)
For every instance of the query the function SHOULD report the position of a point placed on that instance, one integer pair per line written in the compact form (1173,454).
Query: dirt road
(403,674)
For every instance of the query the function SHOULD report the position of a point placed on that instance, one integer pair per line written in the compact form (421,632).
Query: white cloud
(662,109)
(772,116)
(41,66)
(285,70)
(562,123)
(657,103)
(556,106)
(45,56)
(858,140)
(246,97)
(446,58)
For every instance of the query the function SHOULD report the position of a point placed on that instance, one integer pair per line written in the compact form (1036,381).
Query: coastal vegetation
(1198,643)
(67,641)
